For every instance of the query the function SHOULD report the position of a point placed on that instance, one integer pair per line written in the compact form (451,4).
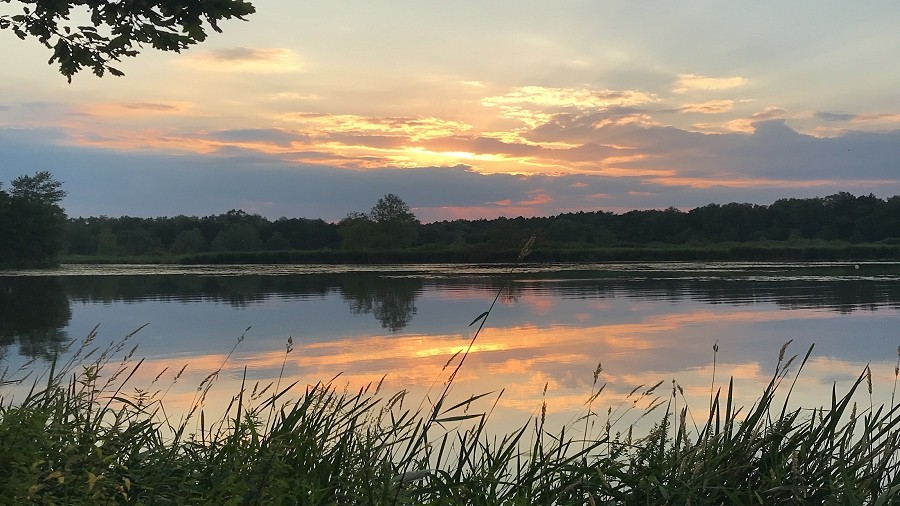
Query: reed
(78,437)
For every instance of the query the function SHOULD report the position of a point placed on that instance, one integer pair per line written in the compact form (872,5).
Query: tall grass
(82,435)
(77,437)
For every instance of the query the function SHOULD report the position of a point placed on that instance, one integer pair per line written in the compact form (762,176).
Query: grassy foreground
(78,438)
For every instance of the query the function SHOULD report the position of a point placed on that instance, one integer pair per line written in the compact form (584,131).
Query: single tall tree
(32,224)
(397,224)
(389,225)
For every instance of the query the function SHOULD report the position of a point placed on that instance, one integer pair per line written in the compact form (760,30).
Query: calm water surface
(551,327)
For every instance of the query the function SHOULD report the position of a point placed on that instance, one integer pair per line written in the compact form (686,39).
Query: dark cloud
(592,152)
(776,150)
(483,145)
(373,141)
(773,150)
(651,140)
(572,127)
(240,54)
(274,136)
(834,116)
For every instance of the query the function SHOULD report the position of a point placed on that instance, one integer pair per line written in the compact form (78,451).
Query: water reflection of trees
(35,311)
(844,296)
(392,300)
(34,314)
(237,291)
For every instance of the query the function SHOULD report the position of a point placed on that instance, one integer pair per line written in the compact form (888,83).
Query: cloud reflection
(522,360)
(549,331)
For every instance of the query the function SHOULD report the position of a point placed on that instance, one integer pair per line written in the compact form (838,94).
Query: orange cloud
(533,106)
(413,128)
(710,107)
(887,119)
(538,96)
(242,59)
(537,199)
(205,143)
(137,109)
(745,125)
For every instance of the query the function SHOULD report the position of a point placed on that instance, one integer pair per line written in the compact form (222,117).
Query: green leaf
(480,317)
(468,401)
(458,418)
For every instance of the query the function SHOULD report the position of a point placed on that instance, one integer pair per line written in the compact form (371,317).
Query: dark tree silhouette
(389,225)
(32,224)
(396,222)
(836,226)
(116,29)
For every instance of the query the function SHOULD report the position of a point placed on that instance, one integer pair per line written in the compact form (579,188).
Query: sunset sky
(472,109)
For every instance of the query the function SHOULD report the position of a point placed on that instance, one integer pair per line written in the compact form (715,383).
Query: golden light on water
(521,361)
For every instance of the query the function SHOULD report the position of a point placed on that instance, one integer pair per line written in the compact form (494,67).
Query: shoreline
(659,253)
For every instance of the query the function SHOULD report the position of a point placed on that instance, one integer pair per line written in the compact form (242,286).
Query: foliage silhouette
(116,29)
(389,225)
(837,227)
(32,224)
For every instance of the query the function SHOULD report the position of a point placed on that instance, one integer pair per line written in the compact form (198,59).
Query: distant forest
(837,226)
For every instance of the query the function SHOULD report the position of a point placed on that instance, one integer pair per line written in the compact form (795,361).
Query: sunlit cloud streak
(243,59)
(710,107)
(411,128)
(556,98)
(691,82)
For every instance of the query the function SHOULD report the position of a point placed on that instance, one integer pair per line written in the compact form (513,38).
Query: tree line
(35,229)
(391,225)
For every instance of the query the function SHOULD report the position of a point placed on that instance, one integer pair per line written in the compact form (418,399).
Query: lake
(542,343)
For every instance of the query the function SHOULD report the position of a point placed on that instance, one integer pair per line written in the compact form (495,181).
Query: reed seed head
(783,349)
(597,371)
